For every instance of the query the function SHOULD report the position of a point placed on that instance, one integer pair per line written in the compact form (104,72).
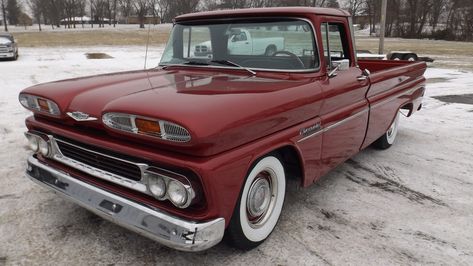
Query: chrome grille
(99,161)
(175,132)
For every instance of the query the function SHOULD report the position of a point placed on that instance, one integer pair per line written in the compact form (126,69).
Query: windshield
(4,40)
(283,44)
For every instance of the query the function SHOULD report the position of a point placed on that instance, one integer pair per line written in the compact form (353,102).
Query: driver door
(240,44)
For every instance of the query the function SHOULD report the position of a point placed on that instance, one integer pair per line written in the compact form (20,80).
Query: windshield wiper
(195,63)
(230,63)
(190,63)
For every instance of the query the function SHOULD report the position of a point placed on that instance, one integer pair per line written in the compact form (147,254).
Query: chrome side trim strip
(345,120)
(325,129)
(311,135)
(150,222)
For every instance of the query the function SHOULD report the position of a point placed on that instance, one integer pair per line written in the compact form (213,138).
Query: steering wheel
(299,61)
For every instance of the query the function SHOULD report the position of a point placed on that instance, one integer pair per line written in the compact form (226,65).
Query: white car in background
(8,46)
(240,42)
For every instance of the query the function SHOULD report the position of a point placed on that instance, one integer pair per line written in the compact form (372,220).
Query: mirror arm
(333,72)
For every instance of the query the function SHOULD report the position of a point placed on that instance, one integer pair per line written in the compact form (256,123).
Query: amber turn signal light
(148,127)
(43,105)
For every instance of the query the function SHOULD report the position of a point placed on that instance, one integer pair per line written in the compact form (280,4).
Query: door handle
(362,78)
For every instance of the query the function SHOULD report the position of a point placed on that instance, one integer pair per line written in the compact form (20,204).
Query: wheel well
(292,163)
(271,46)
(408,106)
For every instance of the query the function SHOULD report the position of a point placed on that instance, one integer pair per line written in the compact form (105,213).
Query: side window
(243,36)
(335,42)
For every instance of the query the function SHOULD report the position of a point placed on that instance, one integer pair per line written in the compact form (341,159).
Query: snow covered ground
(411,204)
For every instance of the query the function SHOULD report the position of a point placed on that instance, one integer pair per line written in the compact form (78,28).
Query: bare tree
(233,4)
(353,6)
(126,8)
(4,14)
(13,11)
(99,9)
(141,8)
(437,9)
(36,7)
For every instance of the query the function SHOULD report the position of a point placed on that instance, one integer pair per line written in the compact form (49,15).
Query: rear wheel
(270,50)
(259,206)
(410,57)
(387,140)
(396,56)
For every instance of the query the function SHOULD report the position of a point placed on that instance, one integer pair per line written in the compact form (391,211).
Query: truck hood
(221,111)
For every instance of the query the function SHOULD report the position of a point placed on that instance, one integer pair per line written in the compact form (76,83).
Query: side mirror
(339,65)
(343,64)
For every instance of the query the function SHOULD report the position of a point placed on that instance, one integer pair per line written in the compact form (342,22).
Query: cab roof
(263,12)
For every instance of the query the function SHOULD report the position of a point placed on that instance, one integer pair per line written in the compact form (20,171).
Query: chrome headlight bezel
(37,104)
(170,179)
(127,123)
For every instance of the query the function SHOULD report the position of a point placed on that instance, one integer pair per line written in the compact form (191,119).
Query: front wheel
(259,205)
(387,140)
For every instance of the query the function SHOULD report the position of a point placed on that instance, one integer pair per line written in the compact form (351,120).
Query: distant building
(25,20)
(76,20)
(361,20)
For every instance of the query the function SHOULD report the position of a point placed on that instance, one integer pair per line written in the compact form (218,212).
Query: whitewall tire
(260,204)
(388,138)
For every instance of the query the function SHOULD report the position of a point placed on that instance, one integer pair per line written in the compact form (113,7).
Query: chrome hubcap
(260,199)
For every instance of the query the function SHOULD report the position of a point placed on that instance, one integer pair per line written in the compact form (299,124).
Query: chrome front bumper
(7,54)
(155,224)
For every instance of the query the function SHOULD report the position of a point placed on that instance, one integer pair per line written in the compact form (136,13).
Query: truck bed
(380,65)
(393,83)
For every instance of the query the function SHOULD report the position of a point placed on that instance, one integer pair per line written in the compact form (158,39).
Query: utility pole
(4,15)
(382,26)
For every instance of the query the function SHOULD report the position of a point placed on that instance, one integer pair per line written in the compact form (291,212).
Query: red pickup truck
(199,147)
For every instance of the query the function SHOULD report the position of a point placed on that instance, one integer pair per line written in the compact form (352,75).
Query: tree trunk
(4,16)
(39,22)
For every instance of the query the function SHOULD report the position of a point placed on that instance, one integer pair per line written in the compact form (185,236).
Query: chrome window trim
(353,41)
(314,36)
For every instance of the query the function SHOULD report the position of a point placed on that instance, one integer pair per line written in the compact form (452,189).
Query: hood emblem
(80,116)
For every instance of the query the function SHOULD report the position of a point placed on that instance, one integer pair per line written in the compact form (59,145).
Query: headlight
(39,104)
(43,147)
(157,186)
(146,126)
(177,193)
(167,185)
(32,142)
(38,143)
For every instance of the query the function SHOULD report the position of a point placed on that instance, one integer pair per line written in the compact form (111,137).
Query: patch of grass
(91,38)
(422,47)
